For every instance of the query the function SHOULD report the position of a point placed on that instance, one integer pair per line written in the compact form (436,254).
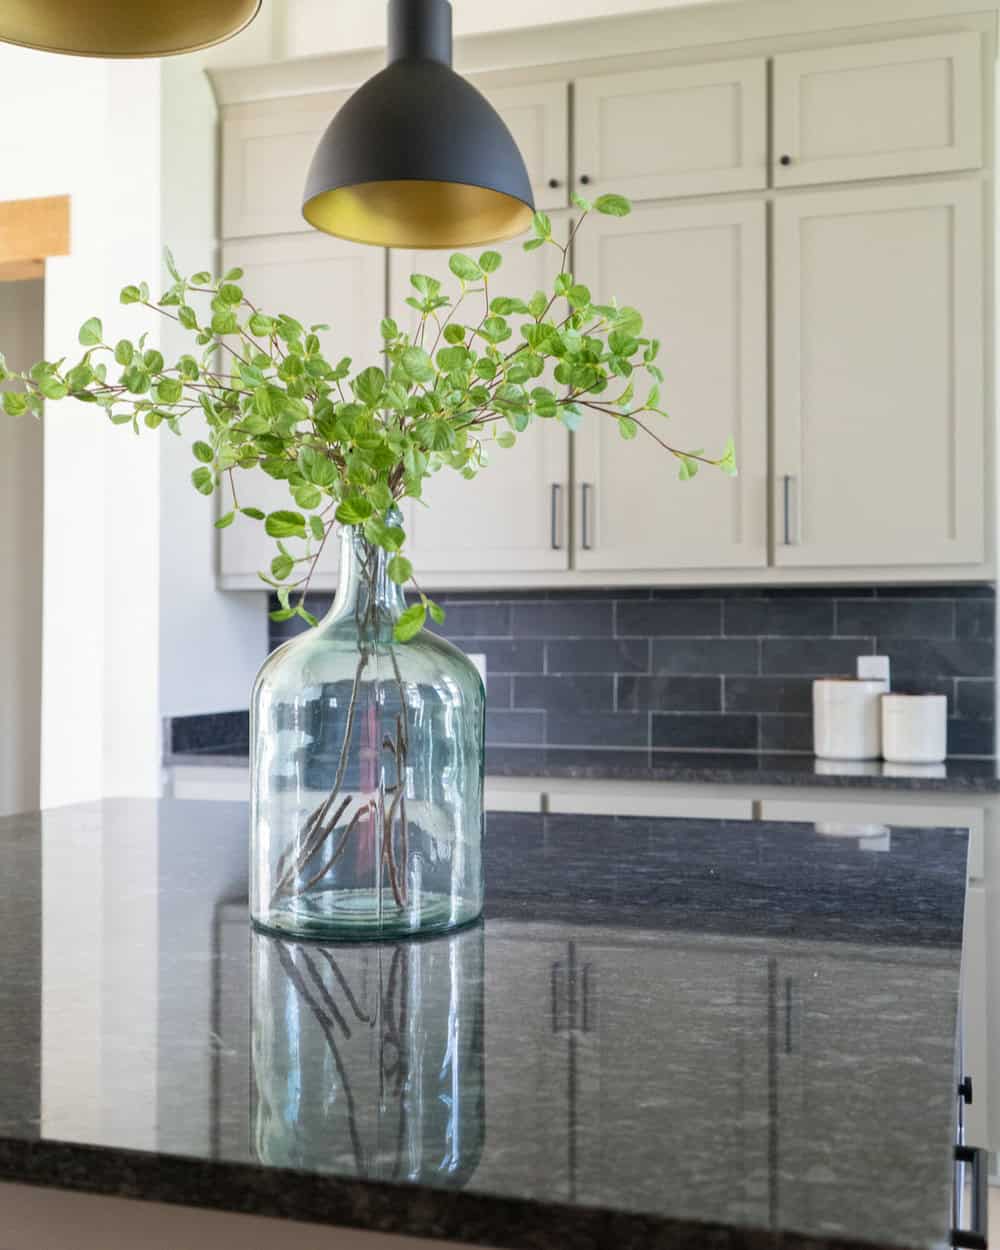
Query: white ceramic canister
(847,721)
(915,728)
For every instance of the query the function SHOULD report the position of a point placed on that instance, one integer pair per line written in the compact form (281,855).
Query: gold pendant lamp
(123,28)
(417,157)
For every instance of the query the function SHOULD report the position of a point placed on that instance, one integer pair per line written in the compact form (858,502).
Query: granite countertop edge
(377,1206)
(964,776)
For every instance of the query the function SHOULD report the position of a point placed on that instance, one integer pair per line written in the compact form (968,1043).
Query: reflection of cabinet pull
(585,1023)
(585,492)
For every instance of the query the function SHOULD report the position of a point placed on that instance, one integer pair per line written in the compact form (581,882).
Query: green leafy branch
(351,445)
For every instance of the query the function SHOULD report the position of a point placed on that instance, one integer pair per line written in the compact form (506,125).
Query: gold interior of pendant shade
(417,213)
(115,28)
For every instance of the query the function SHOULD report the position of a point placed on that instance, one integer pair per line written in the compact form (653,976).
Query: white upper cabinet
(317,280)
(266,155)
(537,115)
(698,274)
(513,516)
(879,442)
(874,110)
(674,131)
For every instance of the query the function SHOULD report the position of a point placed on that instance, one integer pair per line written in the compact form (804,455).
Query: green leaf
(354,510)
(307,496)
(317,527)
(542,225)
(369,385)
(260,325)
(400,570)
(281,566)
(224,323)
(613,205)
(490,262)
(91,332)
(52,388)
(580,202)
(627,428)
(233,275)
(225,521)
(417,364)
(282,614)
(728,462)
(285,524)
(388,328)
(229,293)
(435,610)
(169,390)
(410,623)
(454,333)
(203,480)
(168,260)
(464,267)
(129,295)
(255,514)
(14,403)
(203,452)
(124,351)
(308,617)
(187,317)
(507,439)
(529,245)
(317,468)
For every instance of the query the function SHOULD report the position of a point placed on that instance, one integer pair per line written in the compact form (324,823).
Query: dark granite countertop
(665,1033)
(956,776)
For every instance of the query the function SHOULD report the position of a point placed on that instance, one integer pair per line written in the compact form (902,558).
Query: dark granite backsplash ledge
(696,670)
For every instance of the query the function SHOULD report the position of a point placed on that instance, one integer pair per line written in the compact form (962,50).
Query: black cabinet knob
(584,179)
(553,183)
(785,160)
(965,1089)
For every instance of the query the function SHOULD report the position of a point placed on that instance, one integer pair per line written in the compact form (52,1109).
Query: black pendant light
(123,28)
(417,157)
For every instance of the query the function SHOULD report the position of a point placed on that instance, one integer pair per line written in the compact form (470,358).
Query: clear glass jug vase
(367,772)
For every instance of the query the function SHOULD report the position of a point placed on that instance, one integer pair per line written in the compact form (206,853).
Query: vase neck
(366,595)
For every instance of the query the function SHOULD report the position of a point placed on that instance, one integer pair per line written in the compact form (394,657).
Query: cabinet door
(317,280)
(879,387)
(266,153)
(511,517)
(908,106)
(537,115)
(697,273)
(677,131)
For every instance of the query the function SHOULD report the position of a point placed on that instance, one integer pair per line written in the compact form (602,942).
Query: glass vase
(367,1059)
(367,772)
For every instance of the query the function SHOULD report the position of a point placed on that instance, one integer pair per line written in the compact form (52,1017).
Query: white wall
(84,130)
(21,324)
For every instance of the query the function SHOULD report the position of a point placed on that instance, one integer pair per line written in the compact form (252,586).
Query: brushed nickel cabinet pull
(586,490)
(555,517)
(790,499)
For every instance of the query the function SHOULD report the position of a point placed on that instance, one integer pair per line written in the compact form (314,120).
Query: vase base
(361,916)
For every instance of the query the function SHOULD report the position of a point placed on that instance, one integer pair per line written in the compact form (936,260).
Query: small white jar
(915,728)
(847,724)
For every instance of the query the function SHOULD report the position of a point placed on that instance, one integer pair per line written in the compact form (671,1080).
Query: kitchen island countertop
(665,1032)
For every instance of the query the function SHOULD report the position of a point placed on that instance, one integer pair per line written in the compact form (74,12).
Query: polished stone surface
(956,776)
(666,1033)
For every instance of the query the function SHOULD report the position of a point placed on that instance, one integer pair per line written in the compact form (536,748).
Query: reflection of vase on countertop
(367,1059)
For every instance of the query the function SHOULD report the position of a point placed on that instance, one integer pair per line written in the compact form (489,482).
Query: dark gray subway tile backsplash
(704,670)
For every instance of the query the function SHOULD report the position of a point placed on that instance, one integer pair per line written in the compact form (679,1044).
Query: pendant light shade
(123,28)
(417,157)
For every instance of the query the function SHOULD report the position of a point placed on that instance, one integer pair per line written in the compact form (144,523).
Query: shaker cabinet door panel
(317,280)
(879,439)
(265,159)
(698,275)
(686,130)
(512,516)
(907,106)
(537,115)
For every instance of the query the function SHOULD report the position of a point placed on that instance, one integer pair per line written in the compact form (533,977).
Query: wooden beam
(33,229)
(21,270)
